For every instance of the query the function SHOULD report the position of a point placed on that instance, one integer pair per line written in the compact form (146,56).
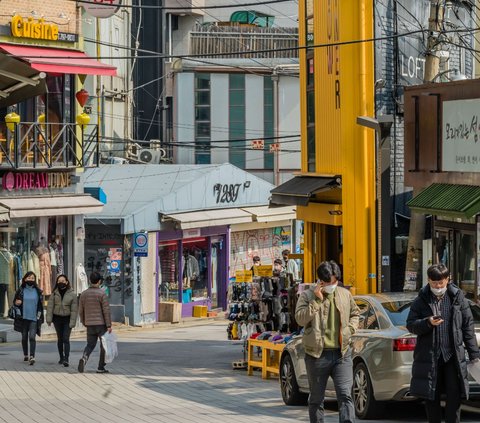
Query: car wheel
(288,383)
(366,407)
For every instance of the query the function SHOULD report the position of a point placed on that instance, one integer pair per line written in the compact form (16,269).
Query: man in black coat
(442,320)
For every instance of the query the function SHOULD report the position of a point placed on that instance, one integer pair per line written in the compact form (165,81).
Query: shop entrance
(455,248)
(195,267)
(327,244)
(218,254)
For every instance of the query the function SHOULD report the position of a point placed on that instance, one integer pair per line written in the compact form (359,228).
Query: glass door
(465,261)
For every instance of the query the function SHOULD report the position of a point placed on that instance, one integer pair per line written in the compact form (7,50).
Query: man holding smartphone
(330,317)
(442,320)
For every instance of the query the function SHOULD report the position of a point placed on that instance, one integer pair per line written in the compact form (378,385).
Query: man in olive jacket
(442,320)
(330,317)
(94,312)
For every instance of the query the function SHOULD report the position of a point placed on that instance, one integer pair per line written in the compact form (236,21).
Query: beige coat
(66,306)
(312,314)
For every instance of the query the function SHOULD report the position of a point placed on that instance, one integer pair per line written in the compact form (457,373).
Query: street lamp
(381,125)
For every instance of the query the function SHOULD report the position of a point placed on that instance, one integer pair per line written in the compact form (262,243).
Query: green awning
(448,200)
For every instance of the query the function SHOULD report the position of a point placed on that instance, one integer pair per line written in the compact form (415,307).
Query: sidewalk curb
(9,335)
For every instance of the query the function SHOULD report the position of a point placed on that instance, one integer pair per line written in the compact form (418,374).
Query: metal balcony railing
(253,42)
(50,145)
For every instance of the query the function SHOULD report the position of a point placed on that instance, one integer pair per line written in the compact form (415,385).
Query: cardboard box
(169,312)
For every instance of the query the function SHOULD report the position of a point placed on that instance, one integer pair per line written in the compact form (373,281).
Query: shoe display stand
(262,315)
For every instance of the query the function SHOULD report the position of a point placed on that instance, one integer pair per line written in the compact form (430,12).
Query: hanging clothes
(6,264)
(53,264)
(35,264)
(45,272)
(81,279)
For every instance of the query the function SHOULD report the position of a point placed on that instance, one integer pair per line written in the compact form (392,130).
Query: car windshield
(398,311)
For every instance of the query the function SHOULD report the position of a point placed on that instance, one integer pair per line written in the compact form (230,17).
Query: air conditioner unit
(116,160)
(148,155)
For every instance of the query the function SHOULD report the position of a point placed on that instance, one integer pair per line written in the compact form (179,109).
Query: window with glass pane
(268,129)
(202,119)
(466,261)
(311,148)
(310,97)
(309,22)
(236,114)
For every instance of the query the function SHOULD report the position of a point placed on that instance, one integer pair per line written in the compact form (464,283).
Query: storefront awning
(299,190)
(18,81)
(4,215)
(448,200)
(54,205)
(271,214)
(55,60)
(207,218)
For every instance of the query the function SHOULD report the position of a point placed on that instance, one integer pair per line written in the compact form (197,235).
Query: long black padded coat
(426,355)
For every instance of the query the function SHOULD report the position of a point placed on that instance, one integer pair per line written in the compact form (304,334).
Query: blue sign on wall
(140,244)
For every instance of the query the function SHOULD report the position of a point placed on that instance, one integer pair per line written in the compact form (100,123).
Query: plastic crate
(200,311)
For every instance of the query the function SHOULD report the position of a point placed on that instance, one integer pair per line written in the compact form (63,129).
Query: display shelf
(269,362)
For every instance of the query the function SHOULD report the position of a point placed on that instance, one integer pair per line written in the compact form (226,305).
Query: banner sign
(461,136)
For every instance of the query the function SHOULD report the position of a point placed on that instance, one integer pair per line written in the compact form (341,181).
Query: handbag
(15,312)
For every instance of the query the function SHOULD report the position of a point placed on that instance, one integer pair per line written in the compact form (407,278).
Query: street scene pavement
(163,375)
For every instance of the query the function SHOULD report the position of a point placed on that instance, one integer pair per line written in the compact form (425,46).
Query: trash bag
(109,342)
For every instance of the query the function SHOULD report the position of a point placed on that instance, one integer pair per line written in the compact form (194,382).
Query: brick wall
(49,9)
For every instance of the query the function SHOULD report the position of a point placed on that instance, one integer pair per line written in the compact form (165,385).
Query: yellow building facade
(338,155)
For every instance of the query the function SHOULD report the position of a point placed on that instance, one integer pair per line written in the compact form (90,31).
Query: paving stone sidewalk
(181,375)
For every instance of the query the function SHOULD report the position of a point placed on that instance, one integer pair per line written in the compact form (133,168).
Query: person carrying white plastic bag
(109,342)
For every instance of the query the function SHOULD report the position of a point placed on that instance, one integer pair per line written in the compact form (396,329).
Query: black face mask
(62,286)
(30,283)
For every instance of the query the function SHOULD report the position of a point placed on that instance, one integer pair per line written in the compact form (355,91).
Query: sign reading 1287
(102,8)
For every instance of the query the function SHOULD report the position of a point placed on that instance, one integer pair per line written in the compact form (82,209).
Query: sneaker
(102,371)
(32,361)
(81,365)
(65,363)
(25,358)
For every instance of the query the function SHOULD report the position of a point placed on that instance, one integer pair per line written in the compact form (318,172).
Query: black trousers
(29,333)
(3,293)
(448,382)
(94,333)
(62,327)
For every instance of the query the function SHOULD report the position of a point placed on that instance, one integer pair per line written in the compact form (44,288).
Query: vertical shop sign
(140,244)
(114,260)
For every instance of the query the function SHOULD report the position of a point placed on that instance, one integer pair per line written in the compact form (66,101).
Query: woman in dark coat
(442,320)
(29,298)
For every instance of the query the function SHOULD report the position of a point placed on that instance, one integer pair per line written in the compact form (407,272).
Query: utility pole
(413,267)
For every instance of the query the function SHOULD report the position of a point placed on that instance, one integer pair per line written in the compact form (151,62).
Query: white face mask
(438,291)
(329,289)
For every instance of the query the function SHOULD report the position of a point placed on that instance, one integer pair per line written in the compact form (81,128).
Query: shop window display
(36,245)
(194,264)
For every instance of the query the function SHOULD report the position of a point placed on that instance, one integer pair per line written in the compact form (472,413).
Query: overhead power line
(240,53)
(132,6)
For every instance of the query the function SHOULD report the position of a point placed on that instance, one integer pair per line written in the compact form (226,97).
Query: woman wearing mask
(29,298)
(62,310)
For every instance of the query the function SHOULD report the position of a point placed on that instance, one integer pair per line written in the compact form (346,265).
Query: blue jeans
(331,363)
(29,332)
